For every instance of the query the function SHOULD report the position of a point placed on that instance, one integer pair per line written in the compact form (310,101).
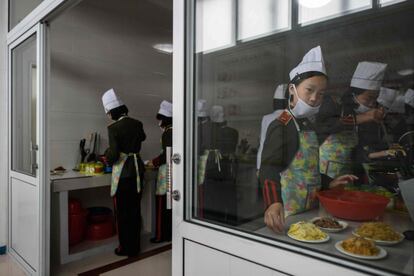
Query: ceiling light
(405,72)
(166,48)
(312,4)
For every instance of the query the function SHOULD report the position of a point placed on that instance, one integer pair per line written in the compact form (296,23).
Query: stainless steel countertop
(400,258)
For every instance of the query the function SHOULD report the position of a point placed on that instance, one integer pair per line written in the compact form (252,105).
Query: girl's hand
(274,217)
(342,180)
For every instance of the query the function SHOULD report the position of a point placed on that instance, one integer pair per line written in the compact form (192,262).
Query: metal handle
(176,195)
(169,177)
(33,151)
(176,158)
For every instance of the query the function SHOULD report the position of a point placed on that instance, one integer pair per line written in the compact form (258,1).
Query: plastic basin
(353,205)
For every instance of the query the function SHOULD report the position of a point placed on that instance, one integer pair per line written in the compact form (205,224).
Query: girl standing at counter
(350,131)
(163,216)
(289,169)
(125,137)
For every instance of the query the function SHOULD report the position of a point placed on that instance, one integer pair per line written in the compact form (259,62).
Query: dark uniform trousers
(163,223)
(127,203)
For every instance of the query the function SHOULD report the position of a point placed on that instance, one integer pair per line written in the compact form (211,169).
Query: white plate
(310,241)
(382,253)
(332,230)
(382,242)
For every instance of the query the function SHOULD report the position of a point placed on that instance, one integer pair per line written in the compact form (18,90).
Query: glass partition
(24,106)
(312,11)
(280,132)
(18,9)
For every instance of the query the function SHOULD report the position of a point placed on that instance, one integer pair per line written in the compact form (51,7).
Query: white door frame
(38,180)
(272,254)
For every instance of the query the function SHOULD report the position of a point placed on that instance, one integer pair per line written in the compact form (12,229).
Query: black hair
(356,91)
(165,121)
(298,79)
(118,112)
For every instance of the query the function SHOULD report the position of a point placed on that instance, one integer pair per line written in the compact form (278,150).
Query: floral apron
(202,164)
(117,170)
(162,178)
(335,153)
(301,180)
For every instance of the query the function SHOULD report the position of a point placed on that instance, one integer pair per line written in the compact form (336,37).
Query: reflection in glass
(260,17)
(311,11)
(24,106)
(390,2)
(214,24)
(18,9)
(235,97)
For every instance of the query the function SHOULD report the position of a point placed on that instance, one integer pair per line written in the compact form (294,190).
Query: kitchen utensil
(92,155)
(353,205)
(83,152)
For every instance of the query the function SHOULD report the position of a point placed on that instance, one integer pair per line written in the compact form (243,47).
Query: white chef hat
(387,96)
(280,92)
(110,100)
(202,110)
(165,109)
(398,105)
(409,97)
(368,75)
(217,114)
(312,61)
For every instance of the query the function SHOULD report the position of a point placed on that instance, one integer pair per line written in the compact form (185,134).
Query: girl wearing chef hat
(125,137)
(354,122)
(163,218)
(289,169)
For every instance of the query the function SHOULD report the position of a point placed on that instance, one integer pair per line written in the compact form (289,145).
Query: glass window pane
(390,2)
(214,24)
(18,9)
(318,10)
(24,97)
(260,17)
(260,151)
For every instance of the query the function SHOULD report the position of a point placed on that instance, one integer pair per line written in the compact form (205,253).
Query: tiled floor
(9,267)
(157,265)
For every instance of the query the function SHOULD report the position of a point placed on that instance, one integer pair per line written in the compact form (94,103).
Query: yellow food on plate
(306,231)
(360,246)
(378,231)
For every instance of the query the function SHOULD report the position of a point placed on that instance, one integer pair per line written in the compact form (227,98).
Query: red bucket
(100,230)
(353,205)
(77,226)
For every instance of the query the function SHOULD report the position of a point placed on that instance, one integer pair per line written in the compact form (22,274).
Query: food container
(353,205)
(77,226)
(99,168)
(100,230)
(99,214)
(75,207)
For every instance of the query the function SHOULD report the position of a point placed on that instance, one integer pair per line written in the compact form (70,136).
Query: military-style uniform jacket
(126,135)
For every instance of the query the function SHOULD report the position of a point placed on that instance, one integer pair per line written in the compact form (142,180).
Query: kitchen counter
(400,258)
(72,180)
(90,191)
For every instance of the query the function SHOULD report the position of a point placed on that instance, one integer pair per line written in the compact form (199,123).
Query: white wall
(3,123)
(96,46)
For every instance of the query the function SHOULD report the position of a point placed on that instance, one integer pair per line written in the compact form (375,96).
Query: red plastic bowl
(353,205)
(100,231)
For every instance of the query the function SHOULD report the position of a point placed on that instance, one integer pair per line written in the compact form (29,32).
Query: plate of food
(329,224)
(361,248)
(58,171)
(307,232)
(379,232)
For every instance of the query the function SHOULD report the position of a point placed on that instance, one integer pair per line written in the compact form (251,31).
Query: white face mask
(361,107)
(302,109)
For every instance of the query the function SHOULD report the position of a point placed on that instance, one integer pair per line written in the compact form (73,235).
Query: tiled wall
(94,49)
